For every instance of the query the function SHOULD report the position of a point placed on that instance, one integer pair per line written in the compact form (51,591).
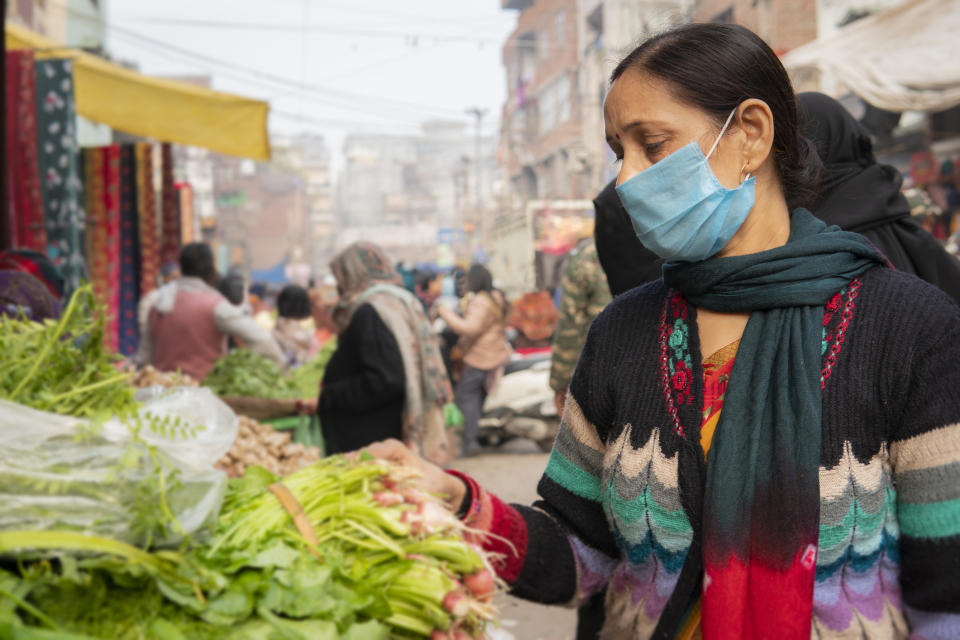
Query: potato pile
(260,444)
(150,377)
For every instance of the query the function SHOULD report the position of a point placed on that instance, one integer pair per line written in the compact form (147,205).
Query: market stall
(112,215)
(117,525)
(899,60)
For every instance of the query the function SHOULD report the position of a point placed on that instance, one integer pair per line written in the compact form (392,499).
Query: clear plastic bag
(148,482)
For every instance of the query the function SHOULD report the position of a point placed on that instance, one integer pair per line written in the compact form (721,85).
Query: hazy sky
(329,67)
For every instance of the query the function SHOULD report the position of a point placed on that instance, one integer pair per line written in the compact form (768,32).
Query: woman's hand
(433,480)
(442,311)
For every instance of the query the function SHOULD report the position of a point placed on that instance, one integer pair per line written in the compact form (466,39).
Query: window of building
(554,103)
(560,24)
(526,55)
(543,44)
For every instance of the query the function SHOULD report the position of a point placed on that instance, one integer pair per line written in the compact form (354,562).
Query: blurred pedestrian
(297,341)
(483,342)
(386,379)
(36,264)
(534,316)
(428,288)
(860,195)
(584,294)
(625,261)
(186,326)
(25,295)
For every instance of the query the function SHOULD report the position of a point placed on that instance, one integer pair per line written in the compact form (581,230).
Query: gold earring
(742,169)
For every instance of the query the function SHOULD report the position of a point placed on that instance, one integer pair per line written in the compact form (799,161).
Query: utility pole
(478,113)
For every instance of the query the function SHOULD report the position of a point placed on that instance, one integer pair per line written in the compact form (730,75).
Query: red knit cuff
(496,527)
(507,539)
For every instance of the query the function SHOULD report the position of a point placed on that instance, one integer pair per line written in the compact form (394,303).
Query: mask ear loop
(722,131)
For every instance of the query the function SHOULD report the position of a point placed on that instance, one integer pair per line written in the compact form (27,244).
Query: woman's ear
(756,126)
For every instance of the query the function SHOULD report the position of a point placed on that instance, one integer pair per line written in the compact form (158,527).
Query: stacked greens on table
(339,549)
(306,378)
(61,365)
(59,391)
(244,373)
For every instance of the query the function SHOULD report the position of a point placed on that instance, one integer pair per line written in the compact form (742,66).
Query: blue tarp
(273,275)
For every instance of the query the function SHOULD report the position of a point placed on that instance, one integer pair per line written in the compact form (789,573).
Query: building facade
(412,194)
(608,31)
(541,150)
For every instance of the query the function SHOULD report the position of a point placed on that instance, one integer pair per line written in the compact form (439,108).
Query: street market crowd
(754,355)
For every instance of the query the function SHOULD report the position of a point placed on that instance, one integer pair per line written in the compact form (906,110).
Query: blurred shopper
(386,378)
(233,286)
(862,196)
(36,264)
(625,261)
(25,295)
(429,287)
(483,341)
(534,316)
(187,324)
(584,294)
(297,341)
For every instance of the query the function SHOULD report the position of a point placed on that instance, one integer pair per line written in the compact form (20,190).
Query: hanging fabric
(59,171)
(185,194)
(170,215)
(130,259)
(102,179)
(147,206)
(26,227)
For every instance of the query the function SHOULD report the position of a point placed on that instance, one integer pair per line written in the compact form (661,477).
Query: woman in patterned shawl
(386,378)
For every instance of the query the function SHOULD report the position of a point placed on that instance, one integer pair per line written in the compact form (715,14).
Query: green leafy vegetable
(244,373)
(387,562)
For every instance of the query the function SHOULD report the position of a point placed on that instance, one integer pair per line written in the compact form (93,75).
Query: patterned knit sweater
(623,490)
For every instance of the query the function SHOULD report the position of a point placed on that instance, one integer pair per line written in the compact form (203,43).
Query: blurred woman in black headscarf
(862,196)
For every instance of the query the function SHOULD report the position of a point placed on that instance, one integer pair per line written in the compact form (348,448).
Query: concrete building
(608,31)
(786,24)
(783,24)
(307,156)
(541,148)
(412,193)
(262,214)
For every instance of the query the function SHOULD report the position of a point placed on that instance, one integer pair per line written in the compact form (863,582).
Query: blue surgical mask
(679,209)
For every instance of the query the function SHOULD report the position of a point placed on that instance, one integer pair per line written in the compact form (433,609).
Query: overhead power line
(344,98)
(345,31)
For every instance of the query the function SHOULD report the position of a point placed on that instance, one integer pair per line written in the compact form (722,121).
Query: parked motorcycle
(522,405)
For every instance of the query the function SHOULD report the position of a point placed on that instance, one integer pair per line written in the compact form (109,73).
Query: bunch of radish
(368,518)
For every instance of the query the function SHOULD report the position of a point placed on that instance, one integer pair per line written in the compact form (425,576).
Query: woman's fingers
(392,450)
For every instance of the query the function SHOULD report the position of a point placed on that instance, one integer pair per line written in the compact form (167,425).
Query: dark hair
(196,260)
(293,302)
(479,279)
(424,277)
(231,286)
(716,67)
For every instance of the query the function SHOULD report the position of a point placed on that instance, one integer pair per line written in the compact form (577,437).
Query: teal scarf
(761,508)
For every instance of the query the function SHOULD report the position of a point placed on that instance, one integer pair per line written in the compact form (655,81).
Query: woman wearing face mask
(765,443)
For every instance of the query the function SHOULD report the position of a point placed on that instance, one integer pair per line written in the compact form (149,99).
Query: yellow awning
(164,110)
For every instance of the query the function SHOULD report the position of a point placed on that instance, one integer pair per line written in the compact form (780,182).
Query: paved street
(512,473)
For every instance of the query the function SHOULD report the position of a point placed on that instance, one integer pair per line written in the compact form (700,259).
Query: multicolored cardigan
(623,490)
